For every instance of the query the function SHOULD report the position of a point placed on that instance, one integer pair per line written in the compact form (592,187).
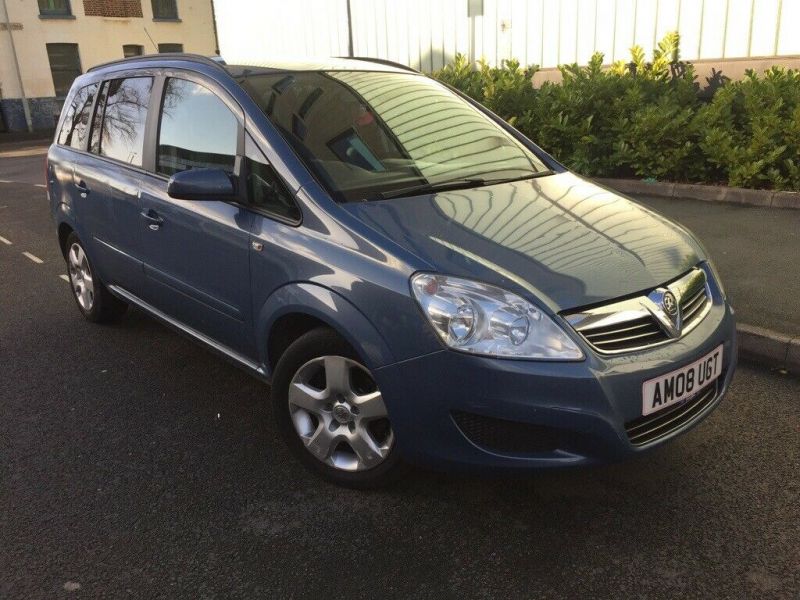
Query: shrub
(649,119)
(751,130)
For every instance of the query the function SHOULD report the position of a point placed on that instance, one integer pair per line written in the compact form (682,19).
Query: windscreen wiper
(454,184)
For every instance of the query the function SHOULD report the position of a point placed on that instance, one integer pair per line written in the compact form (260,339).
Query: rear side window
(97,124)
(75,127)
(123,119)
(197,130)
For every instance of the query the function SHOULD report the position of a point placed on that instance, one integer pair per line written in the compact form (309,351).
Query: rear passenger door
(196,253)
(110,176)
(64,157)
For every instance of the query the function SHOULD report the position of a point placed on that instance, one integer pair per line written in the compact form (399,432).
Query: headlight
(713,268)
(483,319)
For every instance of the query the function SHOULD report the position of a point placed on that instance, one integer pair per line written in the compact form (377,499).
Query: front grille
(693,305)
(650,428)
(501,435)
(625,335)
(641,322)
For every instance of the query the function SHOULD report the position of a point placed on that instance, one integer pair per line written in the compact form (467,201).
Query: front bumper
(578,410)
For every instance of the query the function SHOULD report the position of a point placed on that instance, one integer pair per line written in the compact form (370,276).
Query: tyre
(331,412)
(94,301)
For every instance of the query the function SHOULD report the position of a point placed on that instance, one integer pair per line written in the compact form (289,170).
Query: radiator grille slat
(630,325)
(645,430)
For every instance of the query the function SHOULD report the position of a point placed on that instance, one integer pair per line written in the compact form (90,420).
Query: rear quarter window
(75,127)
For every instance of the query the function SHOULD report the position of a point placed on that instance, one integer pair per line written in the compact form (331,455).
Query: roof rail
(196,58)
(381,61)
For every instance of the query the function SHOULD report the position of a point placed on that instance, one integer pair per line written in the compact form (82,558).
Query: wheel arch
(64,229)
(296,308)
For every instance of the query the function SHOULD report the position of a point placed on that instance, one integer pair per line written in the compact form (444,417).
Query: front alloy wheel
(338,412)
(331,413)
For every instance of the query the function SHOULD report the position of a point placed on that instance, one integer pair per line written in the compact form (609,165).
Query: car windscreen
(366,133)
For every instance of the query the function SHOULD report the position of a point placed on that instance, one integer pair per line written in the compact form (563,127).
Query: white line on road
(5,181)
(64,277)
(34,258)
(5,241)
(41,185)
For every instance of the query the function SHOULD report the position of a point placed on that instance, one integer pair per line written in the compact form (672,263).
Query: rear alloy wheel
(332,413)
(94,300)
(80,276)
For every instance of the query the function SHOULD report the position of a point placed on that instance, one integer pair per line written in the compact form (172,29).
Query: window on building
(265,190)
(65,65)
(165,9)
(182,145)
(76,120)
(54,8)
(124,116)
(129,50)
(170,48)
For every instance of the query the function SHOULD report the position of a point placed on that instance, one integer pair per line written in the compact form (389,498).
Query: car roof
(241,67)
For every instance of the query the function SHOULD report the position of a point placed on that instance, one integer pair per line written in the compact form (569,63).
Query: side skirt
(225,352)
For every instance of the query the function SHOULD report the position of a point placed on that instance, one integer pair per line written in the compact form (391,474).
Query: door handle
(154,221)
(82,188)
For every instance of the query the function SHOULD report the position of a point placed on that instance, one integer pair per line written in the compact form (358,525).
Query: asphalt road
(133,463)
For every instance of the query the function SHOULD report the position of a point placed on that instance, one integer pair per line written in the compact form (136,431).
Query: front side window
(197,130)
(265,190)
(170,48)
(368,133)
(123,119)
(54,8)
(165,9)
(65,66)
(76,120)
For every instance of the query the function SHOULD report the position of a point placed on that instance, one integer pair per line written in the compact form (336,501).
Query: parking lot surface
(133,463)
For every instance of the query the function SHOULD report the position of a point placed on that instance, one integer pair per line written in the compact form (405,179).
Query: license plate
(679,385)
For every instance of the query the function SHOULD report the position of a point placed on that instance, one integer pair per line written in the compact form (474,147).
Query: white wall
(427,33)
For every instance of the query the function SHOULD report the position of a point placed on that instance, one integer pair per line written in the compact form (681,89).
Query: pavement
(134,463)
(756,251)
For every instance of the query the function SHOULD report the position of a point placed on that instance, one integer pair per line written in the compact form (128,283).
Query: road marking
(36,151)
(65,278)
(41,185)
(5,181)
(5,241)
(34,258)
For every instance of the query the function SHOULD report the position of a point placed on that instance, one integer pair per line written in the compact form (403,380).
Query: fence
(426,34)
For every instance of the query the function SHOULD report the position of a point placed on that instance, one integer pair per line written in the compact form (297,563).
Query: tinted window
(265,190)
(76,121)
(165,9)
(166,48)
(367,132)
(129,50)
(197,130)
(124,116)
(97,124)
(65,66)
(58,8)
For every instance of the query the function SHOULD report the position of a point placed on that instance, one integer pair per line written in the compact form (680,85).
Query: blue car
(416,280)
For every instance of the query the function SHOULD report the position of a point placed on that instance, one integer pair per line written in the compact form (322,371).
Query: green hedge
(650,119)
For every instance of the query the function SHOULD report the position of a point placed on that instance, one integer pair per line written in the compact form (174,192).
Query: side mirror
(201,184)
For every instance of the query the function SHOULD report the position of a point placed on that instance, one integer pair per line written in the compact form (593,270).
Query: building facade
(45,44)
